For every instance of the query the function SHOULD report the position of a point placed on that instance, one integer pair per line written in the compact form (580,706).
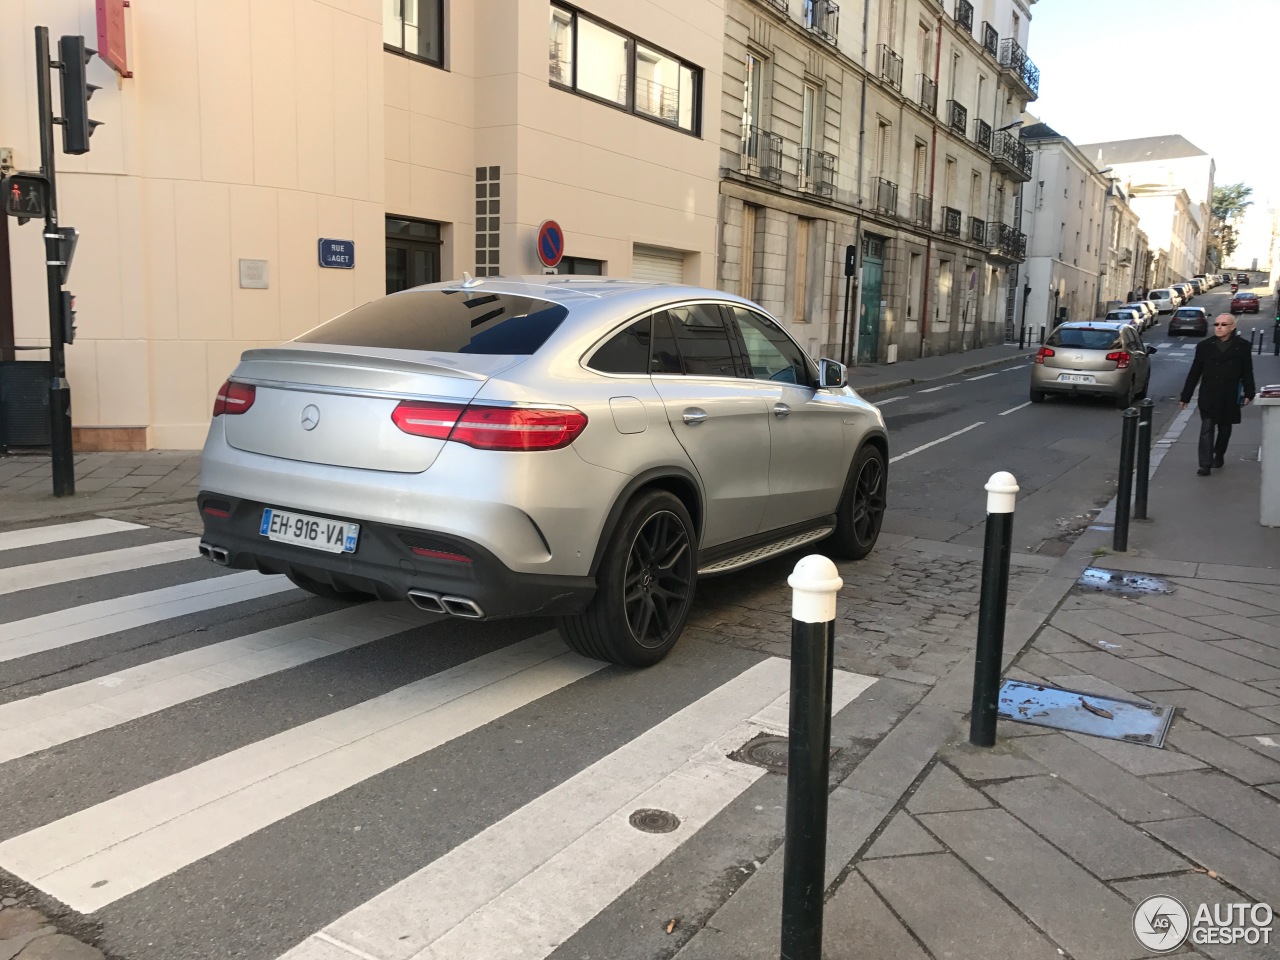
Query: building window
(752,88)
(809,117)
(414,27)
(580,266)
(488,216)
(611,66)
(413,253)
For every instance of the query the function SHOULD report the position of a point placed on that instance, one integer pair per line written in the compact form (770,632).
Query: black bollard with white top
(814,584)
(1002,493)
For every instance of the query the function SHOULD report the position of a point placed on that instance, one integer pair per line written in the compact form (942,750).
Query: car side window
(770,352)
(626,351)
(703,339)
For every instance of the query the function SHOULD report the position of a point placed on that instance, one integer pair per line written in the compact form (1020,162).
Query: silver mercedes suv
(583,448)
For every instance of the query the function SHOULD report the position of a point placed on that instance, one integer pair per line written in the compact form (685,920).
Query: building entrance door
(413,253)
(869,308)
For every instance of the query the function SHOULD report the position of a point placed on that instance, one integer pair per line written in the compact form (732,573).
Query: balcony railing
(990,39)
(951,220)
(1012,56)
(1010,154)
(964,15)
(656,99)
(823,18)
(886,196)
(927,93)
(817,172)
(982,134)
(922,210)
(1004,241)
(957,117)
(1031,76)
(761,153)
(781,5)
(977,230)
(890,65)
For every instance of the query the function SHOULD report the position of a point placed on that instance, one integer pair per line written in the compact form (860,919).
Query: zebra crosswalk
(227,766)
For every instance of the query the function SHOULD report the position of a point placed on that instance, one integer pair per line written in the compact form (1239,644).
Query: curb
(873,388)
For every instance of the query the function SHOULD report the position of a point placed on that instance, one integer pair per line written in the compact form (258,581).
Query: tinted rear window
(1189,312)
(445,321)
(1088,339)
(1158,295)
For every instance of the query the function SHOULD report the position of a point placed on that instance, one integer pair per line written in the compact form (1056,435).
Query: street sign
(337,253)
(550,243)
(851,260)
(111,36)
(26,195)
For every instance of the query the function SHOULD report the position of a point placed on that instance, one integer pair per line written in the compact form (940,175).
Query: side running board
(756,554)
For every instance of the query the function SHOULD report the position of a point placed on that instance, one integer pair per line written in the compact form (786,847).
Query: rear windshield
(1158,295)
(1195,312)
(445,321)
(1082,337)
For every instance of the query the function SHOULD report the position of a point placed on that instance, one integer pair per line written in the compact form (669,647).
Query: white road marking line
(881,403)
(38,536)
(934,443)
(48,719)
(983,376)
(51,572)
(21,638)
(1005,413)
(936,389)
(524,885)
(98,855)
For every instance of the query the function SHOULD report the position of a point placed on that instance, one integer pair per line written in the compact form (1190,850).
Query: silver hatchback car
(582,448)
(1099,357)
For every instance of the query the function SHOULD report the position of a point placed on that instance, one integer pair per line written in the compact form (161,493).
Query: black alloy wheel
(861,509)
(656,587)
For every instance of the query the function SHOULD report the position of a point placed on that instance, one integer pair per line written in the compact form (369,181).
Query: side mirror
(1150,351)
(832,374)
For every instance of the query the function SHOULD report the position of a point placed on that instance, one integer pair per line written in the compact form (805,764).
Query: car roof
(1091,325)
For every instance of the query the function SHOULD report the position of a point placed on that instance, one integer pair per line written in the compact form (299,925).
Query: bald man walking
(1223,367)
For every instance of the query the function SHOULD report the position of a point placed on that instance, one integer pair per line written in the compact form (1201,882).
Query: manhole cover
(765,750)
(1044,706)
(654,821)
(1115,581)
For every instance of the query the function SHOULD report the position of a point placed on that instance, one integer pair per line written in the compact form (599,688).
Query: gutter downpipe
(933,169)
(855,307)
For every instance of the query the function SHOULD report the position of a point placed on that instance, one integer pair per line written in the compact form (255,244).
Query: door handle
(781,410)
(694,416)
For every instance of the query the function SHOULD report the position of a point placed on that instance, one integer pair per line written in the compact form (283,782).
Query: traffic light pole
(64,475)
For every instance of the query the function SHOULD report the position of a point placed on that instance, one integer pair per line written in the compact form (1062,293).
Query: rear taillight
(491,428)
(1121,357)
(234,398)
(1042,353)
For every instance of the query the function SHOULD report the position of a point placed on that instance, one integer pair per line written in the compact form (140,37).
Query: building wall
(1193,174)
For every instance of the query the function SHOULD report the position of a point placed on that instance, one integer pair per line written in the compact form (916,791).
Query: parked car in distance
(1189,320)
(1131,317)
(578,447)
(1098,358)
(1242,278)
(1245,302)
(1146,308)
(1166,299)
(1187,291)
(1197,286)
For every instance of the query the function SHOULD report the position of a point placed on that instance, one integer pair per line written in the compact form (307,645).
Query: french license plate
(1074,378)
(332,536)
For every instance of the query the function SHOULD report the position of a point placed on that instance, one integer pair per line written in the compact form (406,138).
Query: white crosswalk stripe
(52,572)
(57,533)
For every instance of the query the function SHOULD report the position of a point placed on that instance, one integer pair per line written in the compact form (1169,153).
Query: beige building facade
(426,139)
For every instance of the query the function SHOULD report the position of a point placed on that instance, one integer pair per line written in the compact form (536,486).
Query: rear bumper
(385,564)
(1107,384)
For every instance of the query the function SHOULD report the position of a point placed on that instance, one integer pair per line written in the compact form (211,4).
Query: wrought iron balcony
(890,65)
(817,172)
(761,153)
(982,134)
(922,210)
(1014,59)
(951,220)
(927,93)
(886,196)
(1011,155)
(957,117)
(964,15)
(990,39)
(823,18)
(977,230)
(1031,77)
(781,5)
(1006,242)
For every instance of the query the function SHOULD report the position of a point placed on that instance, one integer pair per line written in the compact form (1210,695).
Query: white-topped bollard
(1002,493)
(814,584)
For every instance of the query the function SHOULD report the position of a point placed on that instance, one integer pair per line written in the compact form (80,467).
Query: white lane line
(38,536)
(524,885)
(21,638)
(59,716)
(936,389)
(1005,413)
(881,403)
(100,854)
(983,376)
(934,443)
(51,572)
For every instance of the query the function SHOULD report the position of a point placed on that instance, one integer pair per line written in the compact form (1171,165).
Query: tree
(1229,203)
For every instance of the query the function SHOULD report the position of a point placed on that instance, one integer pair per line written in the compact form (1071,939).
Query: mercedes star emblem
(310,416)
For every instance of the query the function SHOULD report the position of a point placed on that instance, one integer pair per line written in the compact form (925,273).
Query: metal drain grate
(1041,706)
(1101,580)
(654,821)
(764,750)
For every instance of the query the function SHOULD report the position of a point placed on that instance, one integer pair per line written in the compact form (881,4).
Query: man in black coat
(1223,367)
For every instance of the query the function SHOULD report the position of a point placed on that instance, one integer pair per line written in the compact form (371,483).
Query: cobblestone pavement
(104,482)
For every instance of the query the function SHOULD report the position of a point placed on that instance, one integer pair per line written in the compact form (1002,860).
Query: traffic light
(68,316)
(77,128)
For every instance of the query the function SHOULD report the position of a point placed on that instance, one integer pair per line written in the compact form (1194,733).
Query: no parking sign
(550,243)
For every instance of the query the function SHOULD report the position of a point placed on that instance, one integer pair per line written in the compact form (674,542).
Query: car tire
(860,512)
(1037,396)
(327,590)
(644,587)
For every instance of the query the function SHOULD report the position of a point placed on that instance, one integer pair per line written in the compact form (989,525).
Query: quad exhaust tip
(219,555)
(453,606)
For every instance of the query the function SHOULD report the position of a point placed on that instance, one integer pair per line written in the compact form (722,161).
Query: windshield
(1088,338)
(445,321)
(1195,312)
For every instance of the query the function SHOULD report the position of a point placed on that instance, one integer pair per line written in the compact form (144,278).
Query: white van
(1166,300)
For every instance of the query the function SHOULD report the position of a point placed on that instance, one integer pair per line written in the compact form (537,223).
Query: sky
(1119,69)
